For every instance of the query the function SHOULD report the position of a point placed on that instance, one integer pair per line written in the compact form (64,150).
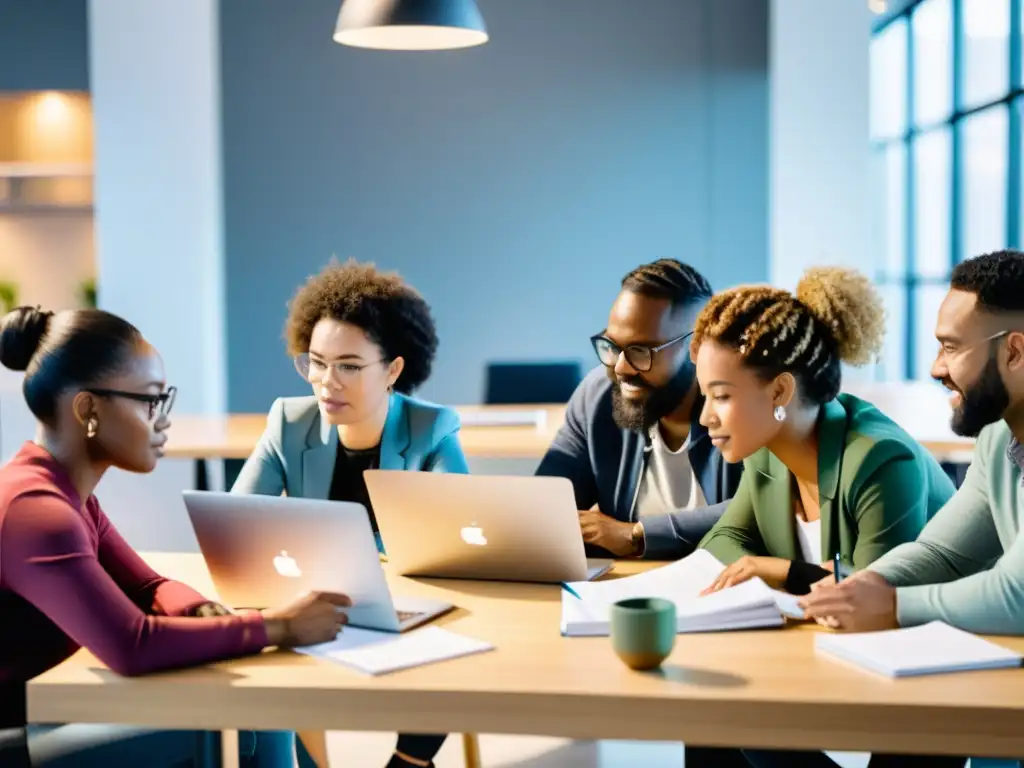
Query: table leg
(202,481)
(229,749)
(471,750)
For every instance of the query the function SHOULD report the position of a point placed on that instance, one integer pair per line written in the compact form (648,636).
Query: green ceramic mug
(643,631)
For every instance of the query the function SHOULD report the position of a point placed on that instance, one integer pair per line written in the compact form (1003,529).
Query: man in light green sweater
(967,566)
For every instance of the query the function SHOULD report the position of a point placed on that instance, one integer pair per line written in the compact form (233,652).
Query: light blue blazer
(298,449)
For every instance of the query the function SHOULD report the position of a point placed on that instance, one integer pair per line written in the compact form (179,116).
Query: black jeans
(727,757)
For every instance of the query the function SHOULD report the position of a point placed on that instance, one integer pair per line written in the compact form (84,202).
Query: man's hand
(865,602)
(772,570)
(607,532)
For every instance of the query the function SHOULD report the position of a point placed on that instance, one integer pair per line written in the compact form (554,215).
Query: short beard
(660,401)
(983,404)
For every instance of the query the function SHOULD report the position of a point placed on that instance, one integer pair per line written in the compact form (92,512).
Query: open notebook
(924,650)
(746,606)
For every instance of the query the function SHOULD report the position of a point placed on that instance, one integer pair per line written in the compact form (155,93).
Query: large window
(946,114)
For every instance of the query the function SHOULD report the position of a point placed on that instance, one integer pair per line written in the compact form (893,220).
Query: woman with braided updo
(825,473)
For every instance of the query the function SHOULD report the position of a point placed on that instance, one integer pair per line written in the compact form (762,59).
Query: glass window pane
(932,29)
(986,74)
(889,81)
(985,141)
(892,366)
(927,299)
(932,155)
(889,186)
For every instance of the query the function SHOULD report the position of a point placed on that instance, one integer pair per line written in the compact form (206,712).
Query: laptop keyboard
(406,615)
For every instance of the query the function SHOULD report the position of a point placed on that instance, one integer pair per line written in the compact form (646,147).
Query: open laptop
(266,551)
(505,528)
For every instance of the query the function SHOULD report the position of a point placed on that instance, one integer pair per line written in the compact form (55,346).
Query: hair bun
(22,330)
(847,303)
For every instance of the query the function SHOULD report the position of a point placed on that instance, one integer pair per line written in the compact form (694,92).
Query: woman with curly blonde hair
(825,473)
(828,478)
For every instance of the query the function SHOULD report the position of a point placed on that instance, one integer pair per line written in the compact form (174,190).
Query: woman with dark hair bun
(67,578)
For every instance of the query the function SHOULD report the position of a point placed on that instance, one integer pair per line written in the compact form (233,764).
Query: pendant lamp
(410,25)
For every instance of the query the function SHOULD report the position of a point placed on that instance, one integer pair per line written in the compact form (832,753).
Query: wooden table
(234,436)
(755,689)
(922,409)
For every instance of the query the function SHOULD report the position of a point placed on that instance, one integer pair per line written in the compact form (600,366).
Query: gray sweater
(967,566)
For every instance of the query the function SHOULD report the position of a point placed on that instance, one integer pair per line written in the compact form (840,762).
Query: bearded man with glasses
(648,481)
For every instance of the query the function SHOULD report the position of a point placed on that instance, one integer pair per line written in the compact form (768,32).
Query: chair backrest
(531,383)
(13,738)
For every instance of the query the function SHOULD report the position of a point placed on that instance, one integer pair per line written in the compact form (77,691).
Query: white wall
(155,82)
(819,166)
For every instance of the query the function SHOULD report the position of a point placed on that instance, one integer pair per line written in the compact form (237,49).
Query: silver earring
(779,413)
(91,427)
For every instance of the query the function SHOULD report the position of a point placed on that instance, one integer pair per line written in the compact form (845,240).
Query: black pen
(836,566)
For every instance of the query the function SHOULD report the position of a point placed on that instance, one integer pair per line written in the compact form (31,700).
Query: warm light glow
(878,6)
(420,38)
(52,108)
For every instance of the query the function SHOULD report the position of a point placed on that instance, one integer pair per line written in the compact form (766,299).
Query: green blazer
(877,487)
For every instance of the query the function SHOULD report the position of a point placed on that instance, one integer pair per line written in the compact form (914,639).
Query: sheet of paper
(488,418)
(376,653)
(680,581)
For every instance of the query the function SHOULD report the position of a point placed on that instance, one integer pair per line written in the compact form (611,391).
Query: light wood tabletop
(756,689)
(920,408)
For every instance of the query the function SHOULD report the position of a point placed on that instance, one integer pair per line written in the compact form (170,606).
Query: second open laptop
(506,528)
(265,551)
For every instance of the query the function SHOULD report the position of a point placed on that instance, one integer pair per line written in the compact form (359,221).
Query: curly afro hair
(997,279)
(836,316)
(392,313)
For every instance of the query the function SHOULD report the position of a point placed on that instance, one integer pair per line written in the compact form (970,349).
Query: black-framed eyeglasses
(639,356)
(159,405)
(313,370)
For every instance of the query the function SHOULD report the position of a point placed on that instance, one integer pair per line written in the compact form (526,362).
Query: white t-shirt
(668,482)
(809,534)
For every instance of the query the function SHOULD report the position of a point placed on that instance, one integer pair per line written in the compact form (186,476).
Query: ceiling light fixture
(410,25)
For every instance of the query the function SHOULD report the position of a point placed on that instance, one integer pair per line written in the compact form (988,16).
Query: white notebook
(746,606)
(925,650)
(376,653)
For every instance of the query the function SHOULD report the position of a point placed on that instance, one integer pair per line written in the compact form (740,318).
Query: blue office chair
(531,383)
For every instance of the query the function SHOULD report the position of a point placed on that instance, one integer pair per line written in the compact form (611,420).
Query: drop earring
(779,413)
(91,427)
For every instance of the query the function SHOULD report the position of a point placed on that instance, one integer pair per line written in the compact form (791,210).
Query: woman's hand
(314,618)
(772,570)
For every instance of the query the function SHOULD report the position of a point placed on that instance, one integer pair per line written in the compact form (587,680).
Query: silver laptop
(265,551)
(506,528)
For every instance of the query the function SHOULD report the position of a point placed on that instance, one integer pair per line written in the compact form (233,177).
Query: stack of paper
(375,653)
(746,606)
(924,650)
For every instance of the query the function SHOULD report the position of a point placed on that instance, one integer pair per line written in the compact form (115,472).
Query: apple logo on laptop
(474,535)
(286,565)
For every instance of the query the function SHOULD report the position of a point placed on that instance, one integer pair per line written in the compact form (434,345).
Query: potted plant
(87,292)
(8,295)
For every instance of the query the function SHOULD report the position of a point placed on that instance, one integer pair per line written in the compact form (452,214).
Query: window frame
(911,282)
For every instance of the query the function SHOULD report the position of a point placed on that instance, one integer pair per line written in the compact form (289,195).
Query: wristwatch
(638,539)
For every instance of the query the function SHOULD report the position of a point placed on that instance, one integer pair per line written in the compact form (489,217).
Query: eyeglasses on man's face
(159,404)
(639,356)
(313,369)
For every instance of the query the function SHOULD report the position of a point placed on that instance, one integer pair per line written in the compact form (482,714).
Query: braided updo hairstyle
(836,315)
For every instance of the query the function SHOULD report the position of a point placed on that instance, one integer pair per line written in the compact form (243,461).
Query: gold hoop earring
(91,427)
